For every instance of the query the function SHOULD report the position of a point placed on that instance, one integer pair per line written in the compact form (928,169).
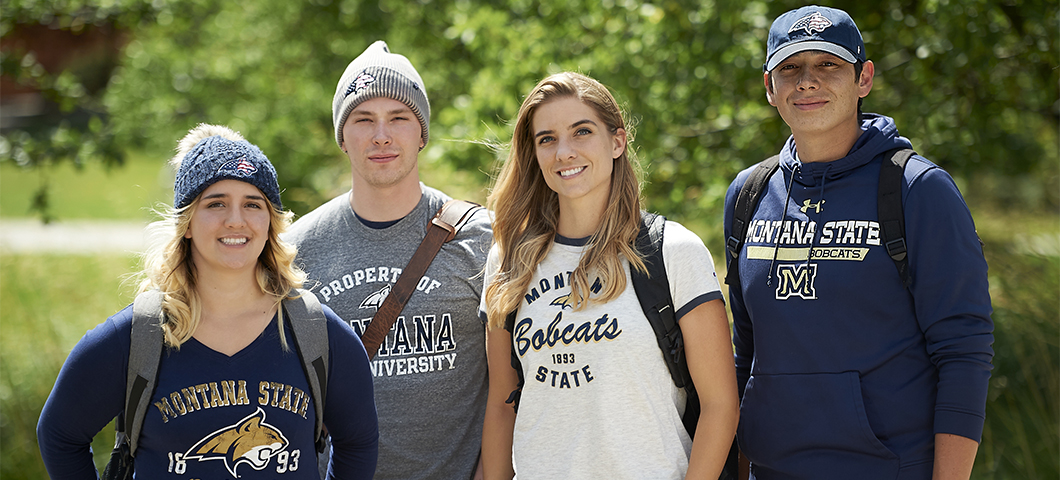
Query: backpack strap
(891,213)
(653,292)
(443,227)
(746,203)
(310,329)
(145,351)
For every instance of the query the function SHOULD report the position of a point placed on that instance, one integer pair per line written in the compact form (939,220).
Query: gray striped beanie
(378,73)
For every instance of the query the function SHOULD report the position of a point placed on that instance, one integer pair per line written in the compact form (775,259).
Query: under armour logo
(806,205)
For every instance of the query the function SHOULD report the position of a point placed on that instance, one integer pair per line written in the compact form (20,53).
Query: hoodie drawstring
(817,231)
(783,216)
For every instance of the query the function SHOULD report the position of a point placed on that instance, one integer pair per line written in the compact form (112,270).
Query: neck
(226,295)
(383,204)
(815,147)
(579,218)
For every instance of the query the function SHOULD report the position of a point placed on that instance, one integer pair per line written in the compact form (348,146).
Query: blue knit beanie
(216,158)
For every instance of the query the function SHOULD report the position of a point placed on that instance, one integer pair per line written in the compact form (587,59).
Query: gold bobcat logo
(250,440)
(562,302)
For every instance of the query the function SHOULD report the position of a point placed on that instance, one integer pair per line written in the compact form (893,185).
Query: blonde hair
(527,211)
(168,265)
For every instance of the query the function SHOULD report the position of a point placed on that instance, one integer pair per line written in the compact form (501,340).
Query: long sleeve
(742,330)
(952,300)
(350,413)
(87,395)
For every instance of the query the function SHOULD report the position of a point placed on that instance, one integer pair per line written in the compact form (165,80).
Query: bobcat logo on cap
(250,440)
(241,167)
(362,82)
(812,23)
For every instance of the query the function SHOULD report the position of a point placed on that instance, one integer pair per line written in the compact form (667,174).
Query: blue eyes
(577,133)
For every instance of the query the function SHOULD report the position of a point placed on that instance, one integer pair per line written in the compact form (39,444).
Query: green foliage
(44,315)
(1020,439)
(80,130)
(89,191)
(970,83)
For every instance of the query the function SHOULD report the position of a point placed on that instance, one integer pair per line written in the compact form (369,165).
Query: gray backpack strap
(145,351)
(310,329)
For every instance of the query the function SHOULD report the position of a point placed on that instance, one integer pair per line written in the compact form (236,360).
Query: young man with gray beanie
(859,353)
(430,372)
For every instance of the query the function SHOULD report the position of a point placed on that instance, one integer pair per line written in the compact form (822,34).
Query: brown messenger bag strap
(453,215)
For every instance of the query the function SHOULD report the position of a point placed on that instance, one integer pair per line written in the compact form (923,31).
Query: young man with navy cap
(430,372)
(847,368)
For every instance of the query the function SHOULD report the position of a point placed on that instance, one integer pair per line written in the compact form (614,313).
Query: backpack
(653,292)
(888,204)
(308,326)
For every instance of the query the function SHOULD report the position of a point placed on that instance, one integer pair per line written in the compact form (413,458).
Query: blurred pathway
(86,237)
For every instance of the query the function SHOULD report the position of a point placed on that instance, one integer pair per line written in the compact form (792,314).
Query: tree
(972,85)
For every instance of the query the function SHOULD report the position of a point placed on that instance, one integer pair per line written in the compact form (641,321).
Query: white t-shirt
(598,400)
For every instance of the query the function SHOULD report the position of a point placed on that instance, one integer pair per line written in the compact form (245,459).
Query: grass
(48,301)
(89,192)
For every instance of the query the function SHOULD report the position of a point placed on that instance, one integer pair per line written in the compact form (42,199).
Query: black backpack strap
(145,351)
(653,292)
(310,329)
(509,325)
(746,203)
(891,213)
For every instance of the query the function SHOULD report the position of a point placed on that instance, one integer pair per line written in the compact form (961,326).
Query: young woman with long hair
(232,398)
(598,400)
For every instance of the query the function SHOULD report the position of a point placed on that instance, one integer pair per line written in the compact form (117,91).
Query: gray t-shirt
(430,373)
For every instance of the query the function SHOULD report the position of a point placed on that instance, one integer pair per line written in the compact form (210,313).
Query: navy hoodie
(844,372)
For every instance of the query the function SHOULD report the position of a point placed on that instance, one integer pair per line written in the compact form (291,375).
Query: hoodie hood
(878,134)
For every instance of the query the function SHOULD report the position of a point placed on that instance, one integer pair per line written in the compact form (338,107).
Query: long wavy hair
(168,264)
(527,211)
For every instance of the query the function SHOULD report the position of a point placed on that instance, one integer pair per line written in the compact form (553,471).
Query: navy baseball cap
(814,28)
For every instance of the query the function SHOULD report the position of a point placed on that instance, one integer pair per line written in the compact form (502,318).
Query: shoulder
(308,225)
(677,236)
(341,336)
(739,181)
(478,228)
(109,341)
(927,180)
(337,327)
(435,198)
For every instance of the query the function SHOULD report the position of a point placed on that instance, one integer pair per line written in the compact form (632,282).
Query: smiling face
(816,93)
(382,139)
(575,151)
(229,227)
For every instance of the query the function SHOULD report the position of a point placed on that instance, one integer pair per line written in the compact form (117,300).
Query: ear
(619,139)
(865,80)
(769,89)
